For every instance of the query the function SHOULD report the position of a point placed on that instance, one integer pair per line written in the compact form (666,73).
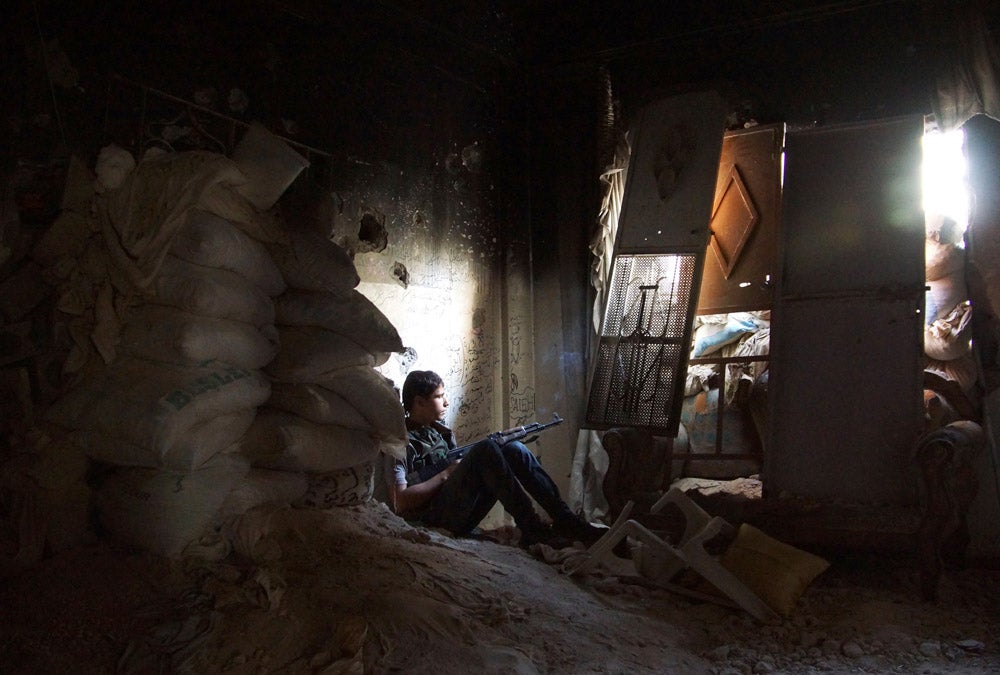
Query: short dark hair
(419,383)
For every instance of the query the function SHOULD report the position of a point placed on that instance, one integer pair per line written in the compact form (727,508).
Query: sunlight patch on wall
(446,320)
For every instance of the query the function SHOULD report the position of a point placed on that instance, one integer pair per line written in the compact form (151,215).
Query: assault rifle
(502,438)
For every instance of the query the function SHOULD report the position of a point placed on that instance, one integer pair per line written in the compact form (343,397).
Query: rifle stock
(501,437)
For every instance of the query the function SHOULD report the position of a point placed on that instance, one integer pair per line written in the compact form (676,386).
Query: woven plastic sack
(269,163)
(213,292)
(200,444)
(264,486)
(311,262)
(344,487)
(941,260)
(347,312)
(373,394)
(211,241)
(308,353)
(284,441)
(950,338)
(943,295)
(163,511)
(317,404)
(155,409)
(161,333)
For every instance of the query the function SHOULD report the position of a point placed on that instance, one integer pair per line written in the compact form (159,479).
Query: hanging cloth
(967,77)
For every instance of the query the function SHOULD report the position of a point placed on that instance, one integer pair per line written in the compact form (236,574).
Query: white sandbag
(154,405)
(698,377)
(211,241)
(307,353)
(113,164)
(66,236)
(347,312)
(942,260)
(153,204)
(269,163)
(167,334)
(344,487)
(311,262)
(752,344)
(163,511)
(211,291)
(373,394)
(364,402)
(284,441)
(264,486)
(943,295)
(200,444)
(317,404)
(224,201)
(963,371)
(951,337)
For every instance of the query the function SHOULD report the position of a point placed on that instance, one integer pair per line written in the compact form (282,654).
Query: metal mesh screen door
(638,368)
(642,342)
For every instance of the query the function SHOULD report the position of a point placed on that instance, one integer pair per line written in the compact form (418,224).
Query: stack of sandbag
(947,310)
(193,289)
(211,299)
(331,412)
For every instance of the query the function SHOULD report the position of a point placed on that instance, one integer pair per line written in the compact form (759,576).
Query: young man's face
(430,408)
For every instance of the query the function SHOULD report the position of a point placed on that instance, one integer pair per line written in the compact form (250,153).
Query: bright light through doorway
(945,178)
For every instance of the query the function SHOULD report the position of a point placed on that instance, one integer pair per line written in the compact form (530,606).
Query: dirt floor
(357,590)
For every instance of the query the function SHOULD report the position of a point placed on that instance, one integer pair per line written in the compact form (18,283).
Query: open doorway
(724,417)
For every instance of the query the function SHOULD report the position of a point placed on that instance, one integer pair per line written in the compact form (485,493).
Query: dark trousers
(490,473)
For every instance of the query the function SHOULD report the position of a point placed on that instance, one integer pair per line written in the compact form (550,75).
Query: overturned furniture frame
(658,560)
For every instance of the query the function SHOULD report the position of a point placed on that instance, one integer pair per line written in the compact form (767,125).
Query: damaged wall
(436,276)
(415,182)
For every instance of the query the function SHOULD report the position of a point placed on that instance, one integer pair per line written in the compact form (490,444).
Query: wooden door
(742,257)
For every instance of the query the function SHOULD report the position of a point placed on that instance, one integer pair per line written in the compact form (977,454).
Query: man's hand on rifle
(451,468)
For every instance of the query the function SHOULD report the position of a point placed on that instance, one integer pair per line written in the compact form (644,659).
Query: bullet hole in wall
(453,163)
(400,273)
(472,158)
(407,358)
(371,233)
(366,234)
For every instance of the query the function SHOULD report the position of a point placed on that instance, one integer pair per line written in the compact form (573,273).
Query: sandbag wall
(947,309)
(330,412)
(177,411)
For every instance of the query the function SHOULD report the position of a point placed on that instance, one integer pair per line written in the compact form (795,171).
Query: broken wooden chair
(660,561)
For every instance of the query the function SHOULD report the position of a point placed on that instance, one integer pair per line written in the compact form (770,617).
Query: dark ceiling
(544,33)
(356,60)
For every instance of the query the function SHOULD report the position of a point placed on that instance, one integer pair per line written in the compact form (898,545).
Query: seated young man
(460,496)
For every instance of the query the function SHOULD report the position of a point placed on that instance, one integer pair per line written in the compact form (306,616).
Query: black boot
(577,529)
(543,534)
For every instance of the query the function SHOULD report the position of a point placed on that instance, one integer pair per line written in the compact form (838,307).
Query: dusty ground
(357,590)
